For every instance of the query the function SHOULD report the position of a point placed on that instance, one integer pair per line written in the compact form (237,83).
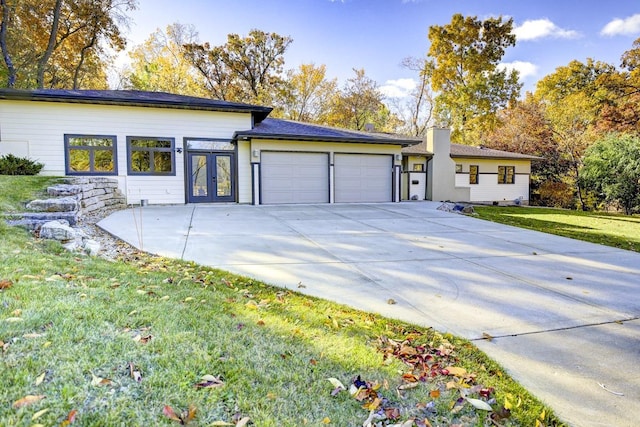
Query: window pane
(141,161)
(162,161)
(473,174)
(79,160)
(90,142)
(103,161)
(151,143)
(501,174)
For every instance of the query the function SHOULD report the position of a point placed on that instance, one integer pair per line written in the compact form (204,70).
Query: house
(172,149)
(436,169)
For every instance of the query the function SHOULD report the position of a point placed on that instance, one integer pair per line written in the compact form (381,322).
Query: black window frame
(91,150)
(151,150)
(474,178)
(504,175)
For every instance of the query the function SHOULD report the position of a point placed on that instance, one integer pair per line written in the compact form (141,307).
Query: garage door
(363,177)
(294,177)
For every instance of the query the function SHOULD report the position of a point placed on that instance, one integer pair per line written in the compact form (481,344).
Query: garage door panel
(363,178)
(294,177)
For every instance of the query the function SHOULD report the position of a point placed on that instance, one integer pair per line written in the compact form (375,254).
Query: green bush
(12,165)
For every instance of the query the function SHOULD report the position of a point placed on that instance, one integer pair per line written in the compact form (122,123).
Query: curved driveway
(564,314)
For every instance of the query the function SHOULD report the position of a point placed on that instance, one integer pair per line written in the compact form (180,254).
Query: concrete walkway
(564,313)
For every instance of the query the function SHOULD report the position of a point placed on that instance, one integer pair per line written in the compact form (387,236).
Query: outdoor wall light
(256,153)
(179,150)
(398,157)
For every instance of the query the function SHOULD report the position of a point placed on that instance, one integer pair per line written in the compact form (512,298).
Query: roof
(417,150)
(459,150)
(468,151)
(134,98)
(299,131)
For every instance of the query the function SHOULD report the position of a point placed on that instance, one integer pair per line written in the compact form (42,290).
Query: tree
(360,103)
(159,64)
(572,99)
(463,64)
(244,69)
(60,43)
(524,128)
(307,94)
(612,170)
(416,110)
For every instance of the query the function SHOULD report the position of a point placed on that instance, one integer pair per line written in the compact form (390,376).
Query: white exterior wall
(441,172)
(488,189)
(37,129)
(244,172)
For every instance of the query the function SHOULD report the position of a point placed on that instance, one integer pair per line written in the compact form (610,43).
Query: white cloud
(541,28)
(398,88)
(626,26)
(525,69)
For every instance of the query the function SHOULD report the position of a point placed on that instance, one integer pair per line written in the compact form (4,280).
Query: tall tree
(463,63)
(159,64)
(307,94)
(612,170)
(245,69)
(572,98)
(360,103)
(60,43)
(415,110)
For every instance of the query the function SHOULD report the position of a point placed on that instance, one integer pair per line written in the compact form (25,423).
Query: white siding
(44,124)
(244,172)
(488,189)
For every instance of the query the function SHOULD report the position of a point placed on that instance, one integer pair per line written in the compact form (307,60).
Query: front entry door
(210,177)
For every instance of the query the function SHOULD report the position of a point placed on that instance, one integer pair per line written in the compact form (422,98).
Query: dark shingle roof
(459,150)
(134,98)
(292,130)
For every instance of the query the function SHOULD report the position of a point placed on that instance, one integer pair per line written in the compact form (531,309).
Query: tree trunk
(11,71)
(83,52)
(42,62)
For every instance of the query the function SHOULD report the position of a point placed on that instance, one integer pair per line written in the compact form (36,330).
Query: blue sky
(377,34)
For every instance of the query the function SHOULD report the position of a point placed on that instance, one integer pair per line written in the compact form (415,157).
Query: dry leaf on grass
(27,400)
(5,284)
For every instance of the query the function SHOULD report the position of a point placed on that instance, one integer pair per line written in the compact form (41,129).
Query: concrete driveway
(564,313)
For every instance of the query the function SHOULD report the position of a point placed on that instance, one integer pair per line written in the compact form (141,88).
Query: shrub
(556,194)
(12,165)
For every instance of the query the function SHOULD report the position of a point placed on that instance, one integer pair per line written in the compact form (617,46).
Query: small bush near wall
(12,165)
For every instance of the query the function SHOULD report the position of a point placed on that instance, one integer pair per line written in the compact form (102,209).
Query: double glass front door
(211,177)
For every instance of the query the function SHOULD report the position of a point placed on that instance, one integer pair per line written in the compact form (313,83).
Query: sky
(378,34)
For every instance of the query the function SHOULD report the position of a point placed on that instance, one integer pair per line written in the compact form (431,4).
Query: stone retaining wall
(70,200)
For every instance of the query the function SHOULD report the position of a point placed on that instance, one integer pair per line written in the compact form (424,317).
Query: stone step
(59,204)
(34,220)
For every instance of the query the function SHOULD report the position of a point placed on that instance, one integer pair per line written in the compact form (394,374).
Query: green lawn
(90,342)
(617,230)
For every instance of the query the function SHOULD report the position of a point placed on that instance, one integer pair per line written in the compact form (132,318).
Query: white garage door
(294,177)
(363,177)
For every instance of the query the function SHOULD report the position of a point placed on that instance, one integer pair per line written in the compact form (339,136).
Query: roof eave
(288,137)
(470,156)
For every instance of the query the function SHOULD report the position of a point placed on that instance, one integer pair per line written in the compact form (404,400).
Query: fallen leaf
(5,284)
(408,386)
(98,381)
(70,418)
(487,336)
(39,414)
(326,420)
(243,422)
(221,423)
(143,340)
(314,362)
(168,412)
(188,299)
(29,336)
(27,400)
(13,319)
(260,323)
(456,371)
(40,378)
(434,394)
(209,381)
(479,404)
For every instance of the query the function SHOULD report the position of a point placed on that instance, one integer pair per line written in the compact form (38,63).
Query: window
(90,155)
(151,156)
(473,174)
(418,167)
(506,174)
(458,168)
